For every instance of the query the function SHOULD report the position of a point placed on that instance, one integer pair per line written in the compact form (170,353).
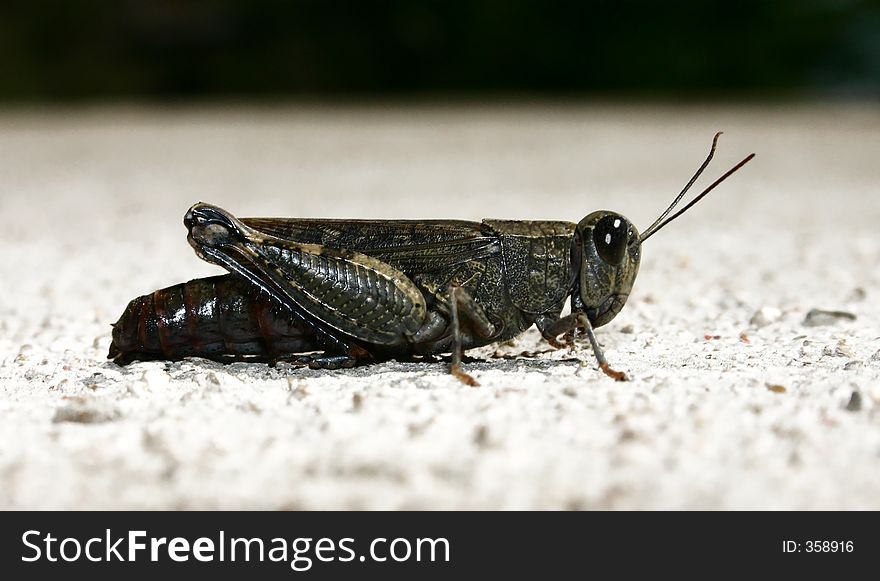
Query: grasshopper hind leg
(339,355)
(321,361)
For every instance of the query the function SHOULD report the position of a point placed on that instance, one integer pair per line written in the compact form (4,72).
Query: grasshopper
(338,293)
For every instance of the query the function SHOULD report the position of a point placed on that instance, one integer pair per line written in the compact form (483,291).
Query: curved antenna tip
(727,174)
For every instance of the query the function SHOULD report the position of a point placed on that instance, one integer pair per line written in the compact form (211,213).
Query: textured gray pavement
(735,402)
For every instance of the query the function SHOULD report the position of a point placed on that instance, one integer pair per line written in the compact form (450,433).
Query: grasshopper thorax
(609,262)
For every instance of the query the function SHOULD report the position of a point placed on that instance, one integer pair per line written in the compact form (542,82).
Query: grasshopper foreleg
(571,323)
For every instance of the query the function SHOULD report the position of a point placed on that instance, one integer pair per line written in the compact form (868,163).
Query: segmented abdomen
(219,318)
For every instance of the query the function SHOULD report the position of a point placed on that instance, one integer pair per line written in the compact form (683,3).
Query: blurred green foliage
(56,49)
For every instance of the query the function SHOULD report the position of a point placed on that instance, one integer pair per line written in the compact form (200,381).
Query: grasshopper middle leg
(462,306)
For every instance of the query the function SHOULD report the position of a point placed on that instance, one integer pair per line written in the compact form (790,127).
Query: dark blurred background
(57,50)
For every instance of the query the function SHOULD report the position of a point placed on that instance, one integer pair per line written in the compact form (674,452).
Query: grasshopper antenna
(727,174)
(654,227)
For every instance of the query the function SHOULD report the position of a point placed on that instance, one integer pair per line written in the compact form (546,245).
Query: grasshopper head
(610,255)
(611,247)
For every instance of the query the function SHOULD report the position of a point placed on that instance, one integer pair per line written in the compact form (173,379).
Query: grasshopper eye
(610,236)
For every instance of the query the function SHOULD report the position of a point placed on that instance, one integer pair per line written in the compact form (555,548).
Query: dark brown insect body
(220,318)
(226,318)
(367,290)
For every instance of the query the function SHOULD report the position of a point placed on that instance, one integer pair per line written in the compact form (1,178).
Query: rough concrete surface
(738,399)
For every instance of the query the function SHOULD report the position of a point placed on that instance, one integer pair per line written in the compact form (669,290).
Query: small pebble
(481,436)
(776,388)
(85,411)
(839,350)
(819,317)
(844,350)
(856,295)
(24,352)
(93,381)
(764,316)
(156,378)
(855,402)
